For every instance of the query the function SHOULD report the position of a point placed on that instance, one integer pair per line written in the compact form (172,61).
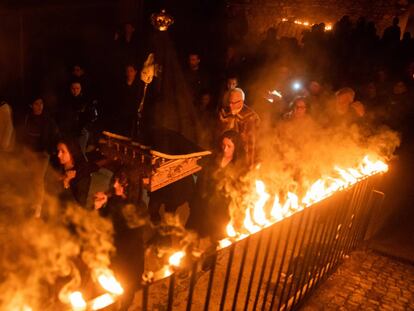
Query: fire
(256,217)
(77,301)
(102,301)
(109,282)
(175,259)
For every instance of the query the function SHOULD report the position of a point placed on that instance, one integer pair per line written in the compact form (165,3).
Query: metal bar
(279,227)
(210,283)
(226,279)
(305,219)
(145,297)
(306,266)
(306,237)
(283,261)
(241,270)
(171,292)
(192,285)
(256,257)
(264,265)
(281,264)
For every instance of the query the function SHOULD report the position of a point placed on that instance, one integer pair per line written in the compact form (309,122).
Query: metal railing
(274,269)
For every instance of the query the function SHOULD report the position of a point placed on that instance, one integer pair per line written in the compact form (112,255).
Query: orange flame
(175,259)
(256,219)
(77,301)
(109,282)
(102,301)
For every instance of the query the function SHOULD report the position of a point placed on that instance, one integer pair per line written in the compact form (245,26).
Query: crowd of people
(332,78)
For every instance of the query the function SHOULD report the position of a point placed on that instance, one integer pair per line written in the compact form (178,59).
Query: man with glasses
(242,119)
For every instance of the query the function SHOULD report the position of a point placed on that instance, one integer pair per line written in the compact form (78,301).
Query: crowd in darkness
(334,78)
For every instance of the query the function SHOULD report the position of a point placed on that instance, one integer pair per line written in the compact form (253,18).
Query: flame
(255,217)
(175,259)
(102,301)
(328,27)
(109,282)
(276,93)
(77,301)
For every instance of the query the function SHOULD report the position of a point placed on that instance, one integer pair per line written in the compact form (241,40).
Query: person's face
(193,61)
(78,71)
(227,146)
(37,107)
(231,84)
(300,109)
(205,100)
(75,89)
(315,88)
(343,102)
(130,73)
(118,188)
(64,155)
(235,102)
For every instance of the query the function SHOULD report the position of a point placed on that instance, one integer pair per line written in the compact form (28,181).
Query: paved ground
(366,281)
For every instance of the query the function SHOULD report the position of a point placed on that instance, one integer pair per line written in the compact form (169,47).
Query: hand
(100,200)
(358,108)
(69,175)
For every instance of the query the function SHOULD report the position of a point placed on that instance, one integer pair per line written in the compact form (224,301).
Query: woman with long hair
(219,177)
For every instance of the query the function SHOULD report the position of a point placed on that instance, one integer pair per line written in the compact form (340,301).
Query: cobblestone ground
(366,281)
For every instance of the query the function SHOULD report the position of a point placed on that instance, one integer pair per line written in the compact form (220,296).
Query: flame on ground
(77,301)
(109,282)
(102,301)
(175,259)
(256,217)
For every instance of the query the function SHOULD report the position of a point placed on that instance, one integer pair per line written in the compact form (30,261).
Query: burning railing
(273,258)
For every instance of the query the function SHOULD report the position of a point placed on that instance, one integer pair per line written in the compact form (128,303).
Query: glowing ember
(109,282)
(276,93)
(77,301)
(102,301)
(175,259)
(255,217)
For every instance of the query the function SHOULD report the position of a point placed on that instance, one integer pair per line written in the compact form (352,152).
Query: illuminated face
(64,156)
(129,29)
(75,89)
(300,109)
(37,107)
(118,188)
(399,88)
(315,88)
(231,83)
(235,102)
(227,146)
(343,102)
(130,73)
(205,100)
(193,61)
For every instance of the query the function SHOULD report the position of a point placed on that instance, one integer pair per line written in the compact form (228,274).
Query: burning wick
(175,259)
(296,86)
(77,301)
(109,283)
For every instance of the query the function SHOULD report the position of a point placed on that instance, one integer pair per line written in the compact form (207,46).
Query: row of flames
(328,27)
(256,218)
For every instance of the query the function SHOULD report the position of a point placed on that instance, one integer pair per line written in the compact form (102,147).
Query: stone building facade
(262,14)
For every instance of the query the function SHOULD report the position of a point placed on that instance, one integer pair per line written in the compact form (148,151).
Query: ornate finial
(161,20)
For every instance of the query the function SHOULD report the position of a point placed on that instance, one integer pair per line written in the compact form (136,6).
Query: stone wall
(262,14)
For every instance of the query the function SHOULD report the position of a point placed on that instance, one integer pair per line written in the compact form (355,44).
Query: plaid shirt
(246,123)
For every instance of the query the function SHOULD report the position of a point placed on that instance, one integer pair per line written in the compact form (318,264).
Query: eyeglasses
(236,102)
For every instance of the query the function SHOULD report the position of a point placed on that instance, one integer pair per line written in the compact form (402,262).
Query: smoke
(294,154)
(42,259)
